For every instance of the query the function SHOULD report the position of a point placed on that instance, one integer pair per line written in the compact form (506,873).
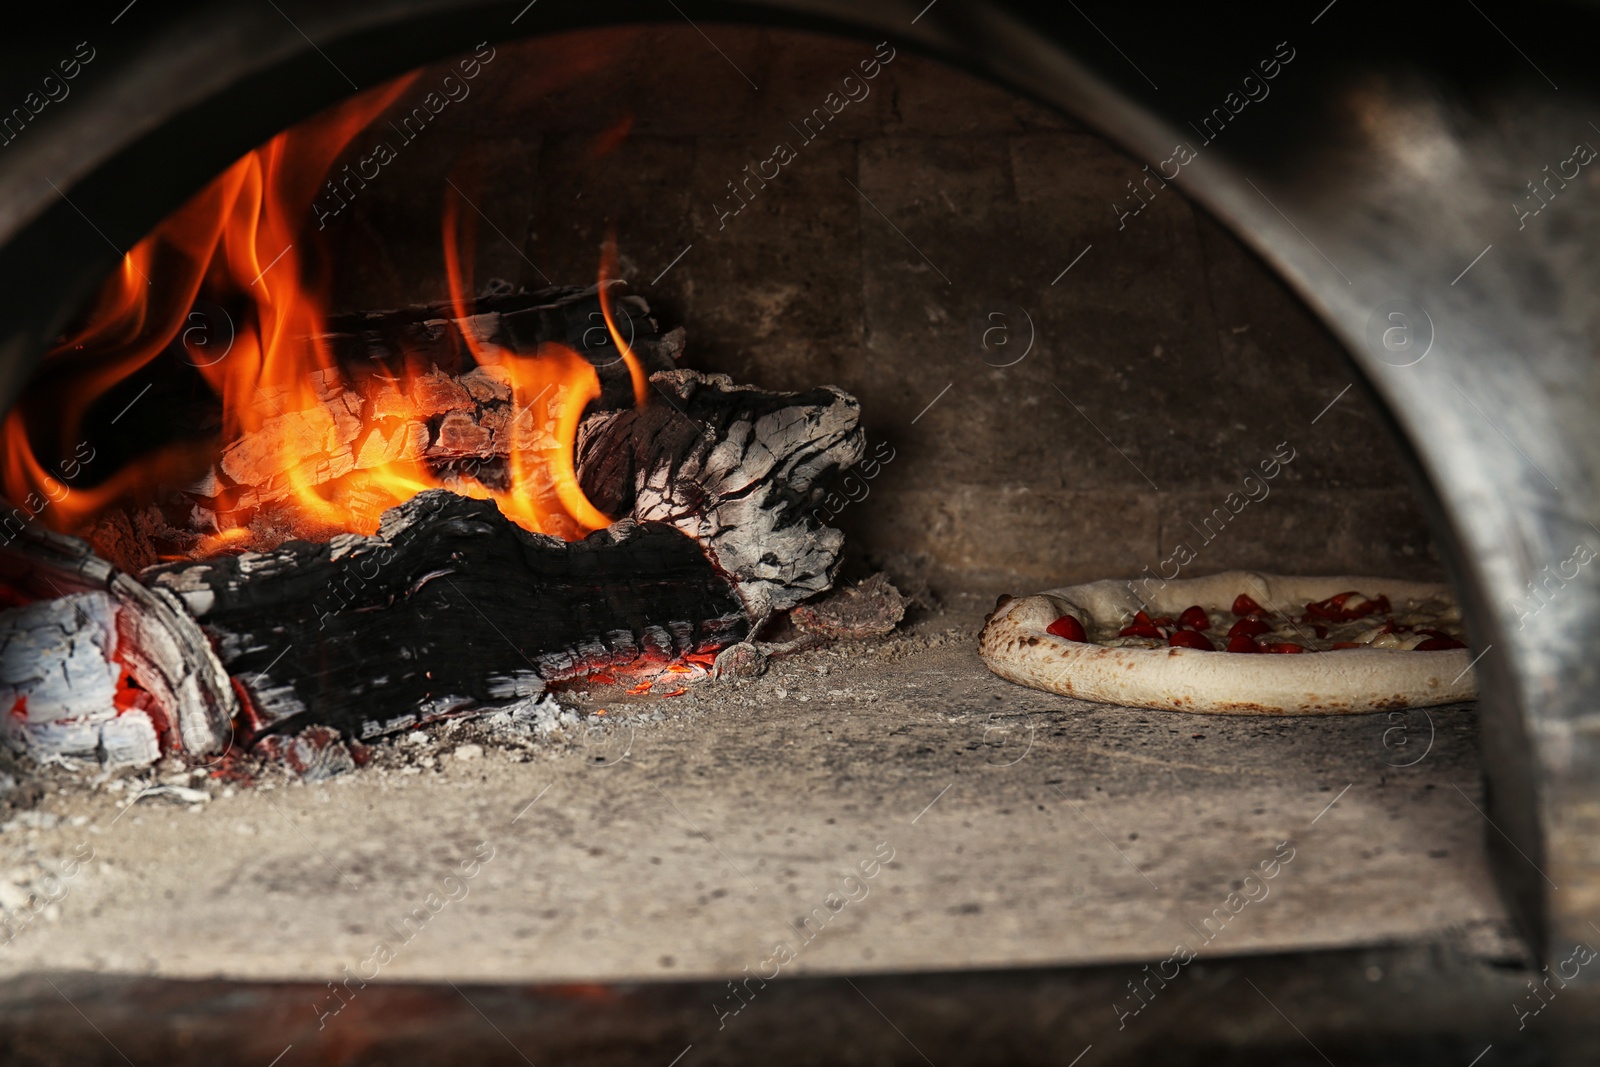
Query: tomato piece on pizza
(1348,606)
(1436,641)
(1243,604)
(1067,627)
(1191,639)
(1143,626)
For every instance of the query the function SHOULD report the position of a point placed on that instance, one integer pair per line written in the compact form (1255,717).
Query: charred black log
(449,606)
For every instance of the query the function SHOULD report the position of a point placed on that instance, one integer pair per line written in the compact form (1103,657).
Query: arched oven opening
(770,358)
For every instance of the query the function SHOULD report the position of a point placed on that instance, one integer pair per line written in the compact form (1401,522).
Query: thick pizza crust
(1015,646)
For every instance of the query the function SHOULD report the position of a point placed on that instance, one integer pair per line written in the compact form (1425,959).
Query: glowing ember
(240,244)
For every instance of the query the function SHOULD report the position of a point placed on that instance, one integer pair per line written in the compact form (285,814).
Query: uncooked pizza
(1239,643)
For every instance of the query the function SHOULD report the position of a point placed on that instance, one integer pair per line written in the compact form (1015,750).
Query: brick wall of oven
(1165,365)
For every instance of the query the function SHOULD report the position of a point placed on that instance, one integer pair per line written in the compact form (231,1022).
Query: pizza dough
(1016,645)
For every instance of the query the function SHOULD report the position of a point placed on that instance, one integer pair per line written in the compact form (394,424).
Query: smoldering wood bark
(736,468)
(449,606)
(157,639)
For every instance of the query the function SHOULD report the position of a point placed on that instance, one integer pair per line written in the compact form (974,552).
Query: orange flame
(551,390)
(242,241)
(608,270)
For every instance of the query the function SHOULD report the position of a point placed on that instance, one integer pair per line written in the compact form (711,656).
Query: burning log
(454,603)
(512,324)
(718,483)
(411,393)
(59,677)
(401,392)
(449,606)
(99,665)
(375,519)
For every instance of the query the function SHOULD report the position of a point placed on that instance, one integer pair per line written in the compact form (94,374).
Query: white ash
(179,793)
(534,727)
(539,717)
(31,820)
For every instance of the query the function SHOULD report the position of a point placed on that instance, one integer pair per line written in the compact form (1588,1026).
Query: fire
(608,270)
(244,243)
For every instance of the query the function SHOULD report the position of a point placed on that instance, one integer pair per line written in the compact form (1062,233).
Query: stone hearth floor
(690,836)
